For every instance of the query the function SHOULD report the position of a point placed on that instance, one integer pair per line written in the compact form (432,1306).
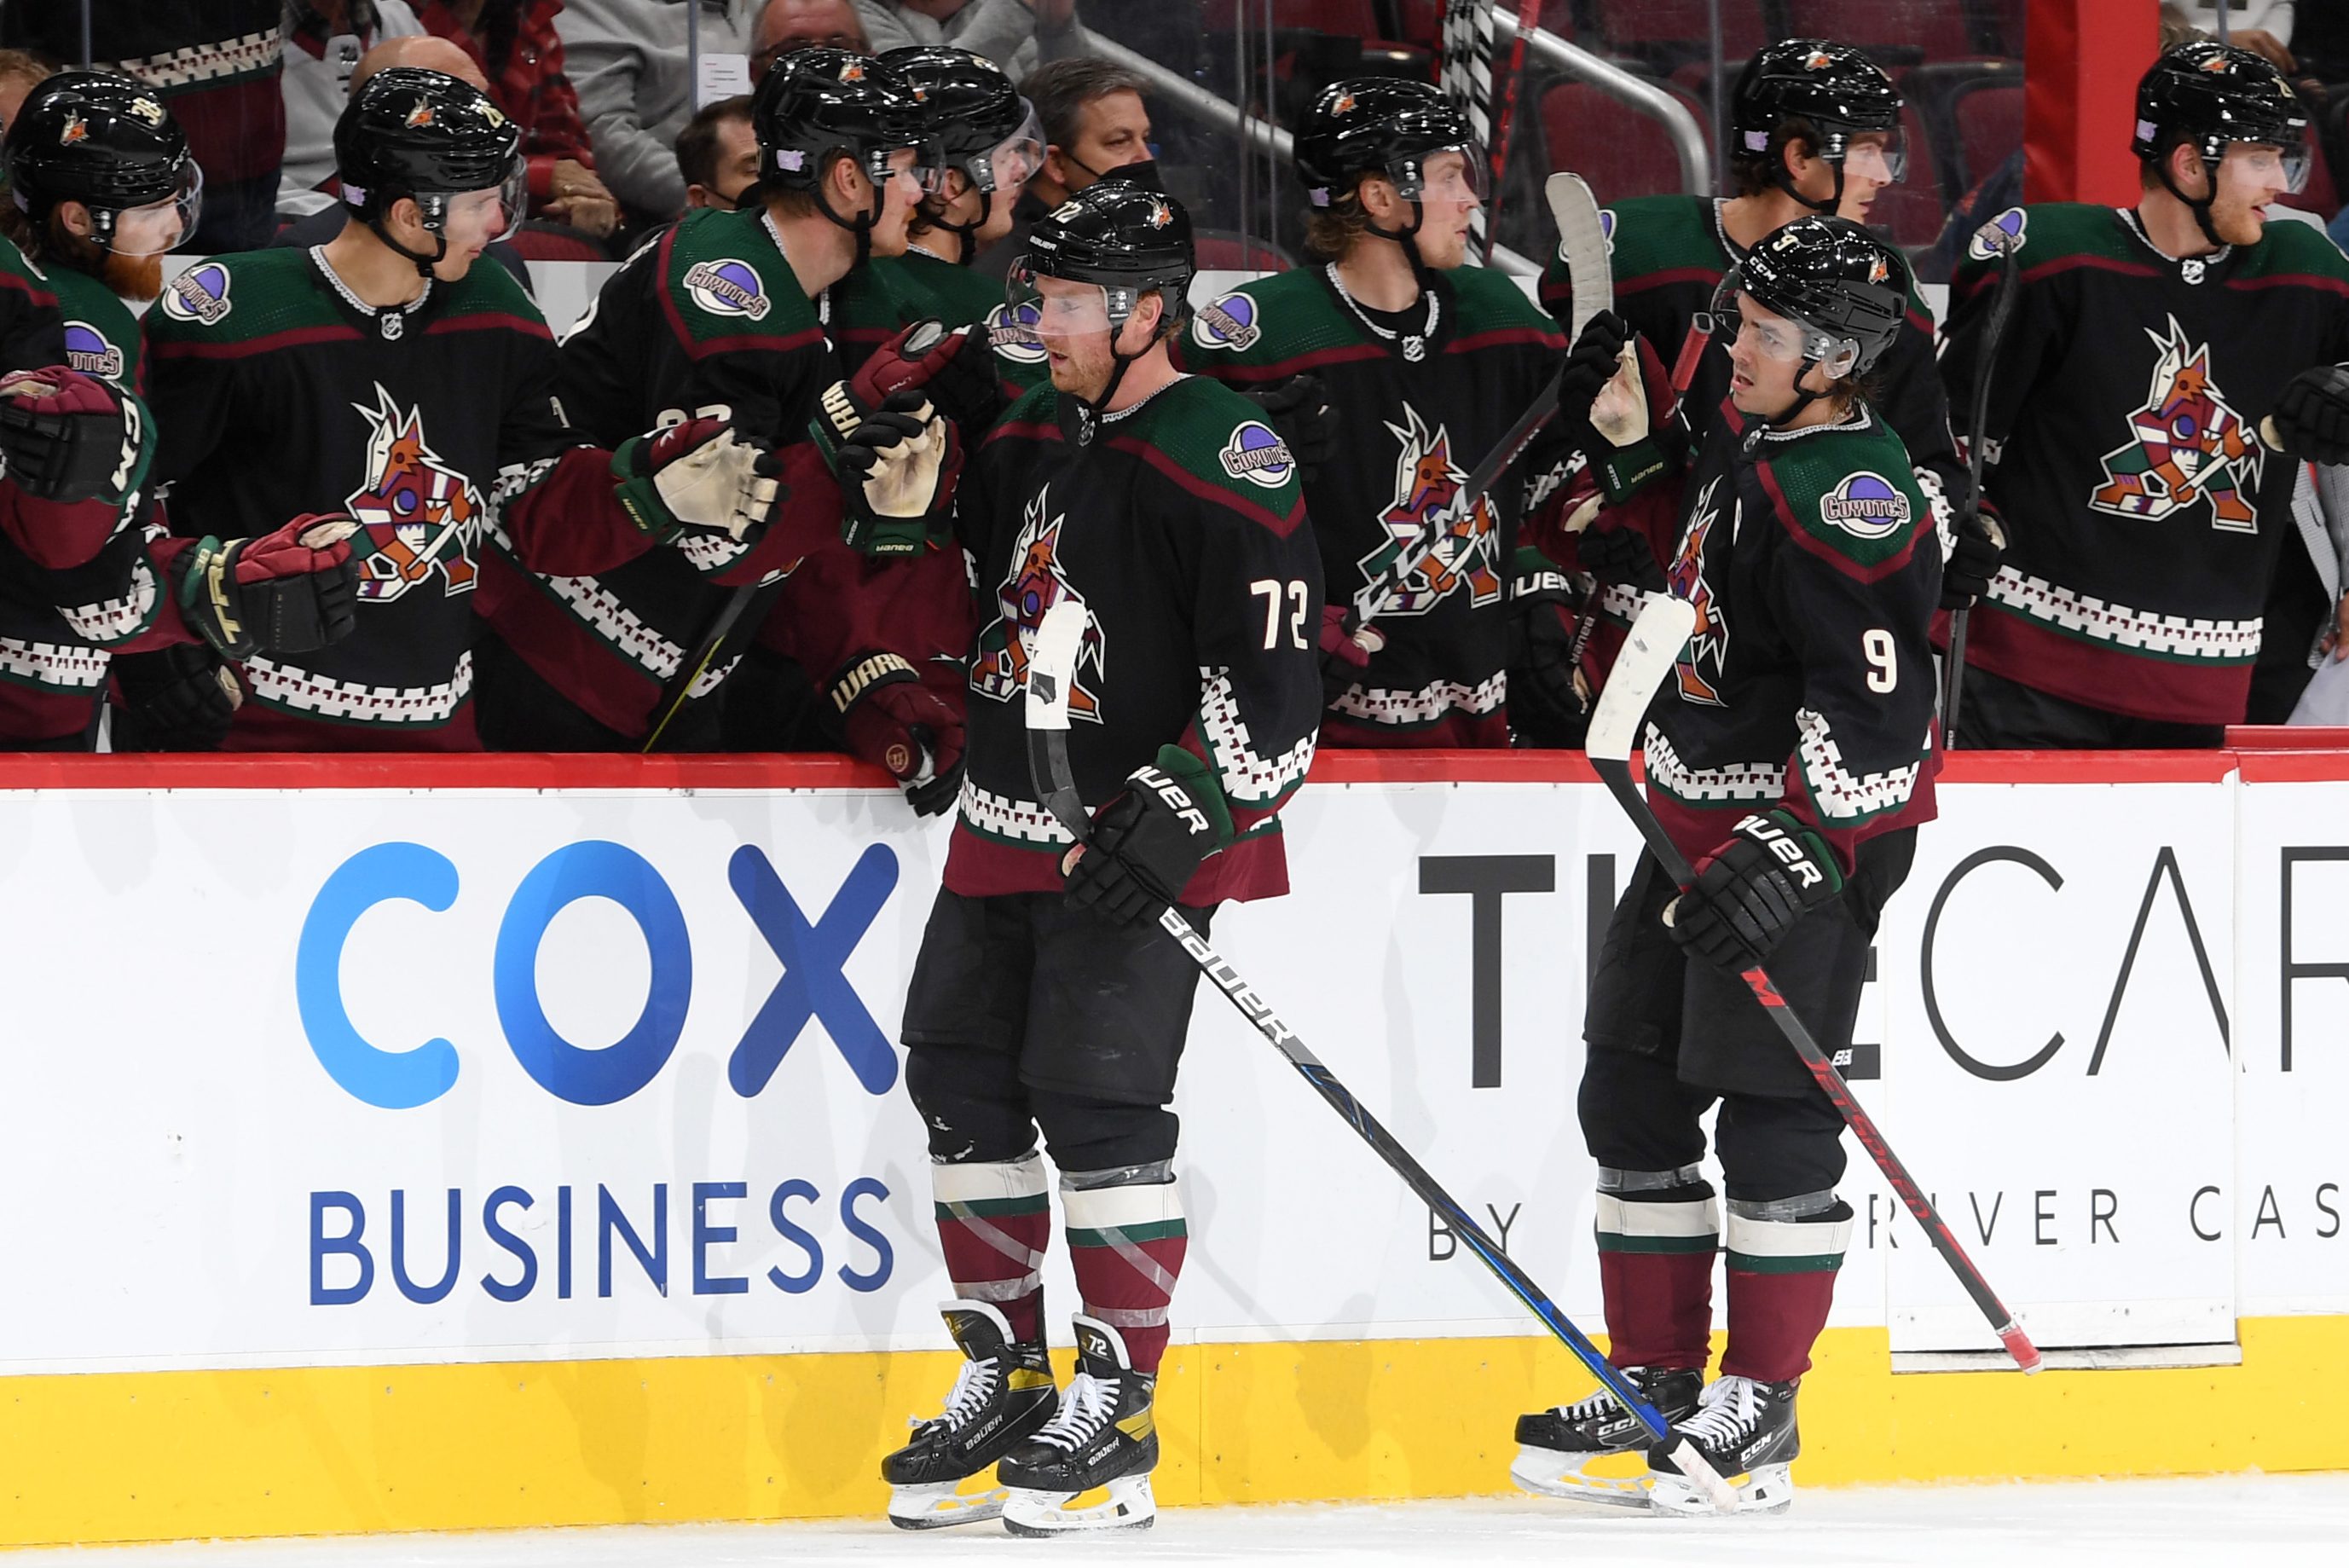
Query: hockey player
(384,377)
(724,317)
(103,185)
(2147,345)
(1792,762)
(1815,128)
(1045,997)
(1425,364)
(991,142)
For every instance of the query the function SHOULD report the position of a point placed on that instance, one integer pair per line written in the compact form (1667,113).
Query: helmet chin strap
(1408,240)
(861,225)
(2200,208)
(967,252)
(1081,418)
(424,263)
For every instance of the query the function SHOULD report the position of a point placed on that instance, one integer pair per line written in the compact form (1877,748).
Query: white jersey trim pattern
(117,620)
(1376,705)
(1001,816)
(709,553)
(249,54)
(2171,637)
(300,691)
(1248,777)
(53,664)
(1737,781)
(1836,790)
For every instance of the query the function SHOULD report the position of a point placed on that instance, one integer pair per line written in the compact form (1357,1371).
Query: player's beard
(137,278)
(2235,222)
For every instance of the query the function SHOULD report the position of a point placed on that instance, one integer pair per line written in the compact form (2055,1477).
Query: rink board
(630,1023)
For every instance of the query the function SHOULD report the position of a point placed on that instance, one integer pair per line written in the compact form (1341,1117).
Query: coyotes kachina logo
(1701,661)
(1427,489)
(1035,584)
(416,515)
(2186,445)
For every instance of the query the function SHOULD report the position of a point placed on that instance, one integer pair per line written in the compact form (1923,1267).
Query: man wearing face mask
(2156,357)
(1094,124)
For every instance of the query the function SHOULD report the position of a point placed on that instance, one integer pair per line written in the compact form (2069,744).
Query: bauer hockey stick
(2002,310)
(1052,667)
(1649,655)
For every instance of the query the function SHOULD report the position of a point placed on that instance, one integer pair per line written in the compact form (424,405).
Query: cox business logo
(813,985)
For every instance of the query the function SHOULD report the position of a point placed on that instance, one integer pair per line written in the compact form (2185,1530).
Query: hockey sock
(1782,1257)
(994,1221)
(1126,1244)
(1658,1231)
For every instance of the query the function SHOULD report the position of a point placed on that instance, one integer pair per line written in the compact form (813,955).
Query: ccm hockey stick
(1052,665)
(2002,311)
(1655,642)
(1584,245)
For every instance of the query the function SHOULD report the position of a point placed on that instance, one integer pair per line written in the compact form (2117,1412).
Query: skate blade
(1766,1488)
(939,1504)
(1545,1473)
(1126,1504)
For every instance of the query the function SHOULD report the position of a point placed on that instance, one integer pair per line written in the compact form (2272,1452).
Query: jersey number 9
(1883,673)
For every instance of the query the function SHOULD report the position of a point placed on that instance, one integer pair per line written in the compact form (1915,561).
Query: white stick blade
(1648,656)
(1582,240)
(1053,664)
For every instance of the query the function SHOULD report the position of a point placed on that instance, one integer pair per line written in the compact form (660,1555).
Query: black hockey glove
(1978,545)
(891,718)
(1298,408)
(2312,416)
(1150,838)
(1620,555)
(1545,701)
(67,438)
(1590,364)
(896,464)
(956,370)
(1750,891)
(178,698)
(290,591)
(698,478)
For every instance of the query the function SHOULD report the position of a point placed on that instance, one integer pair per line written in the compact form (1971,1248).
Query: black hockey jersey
(1416,424)
(1182,531)
(2142,513)
(32,333)
(278,394)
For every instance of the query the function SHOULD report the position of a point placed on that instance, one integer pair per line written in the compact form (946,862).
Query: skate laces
(973,1387)
(1725,1410)
(1589,1409)
(1085,1408)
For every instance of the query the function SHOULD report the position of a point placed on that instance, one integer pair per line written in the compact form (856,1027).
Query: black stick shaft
(2002,310)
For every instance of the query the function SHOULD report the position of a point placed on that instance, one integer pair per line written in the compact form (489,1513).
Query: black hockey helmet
(108,142)
(1381,125)
(2205,95)
(429,137)
(979,123)
(1845,292)
(1836,89)
(1126,241)
(816,105)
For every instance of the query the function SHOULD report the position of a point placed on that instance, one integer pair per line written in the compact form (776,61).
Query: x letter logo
(812,984)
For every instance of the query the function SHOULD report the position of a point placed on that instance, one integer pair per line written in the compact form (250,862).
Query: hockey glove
(1750,891)
(1620,555)
(896,465)
(2312,416)
(289,592)
(956,370)
(1344,658)
(1298,408)
(1150,839)
(1977,545)
(891,718)
(696,479)
(178,698)
(1545,699)
(67,438)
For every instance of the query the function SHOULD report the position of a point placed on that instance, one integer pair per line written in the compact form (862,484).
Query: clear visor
(1879,155)
(1010,164)
(1738,321)
(921,163)
(2270,165)
(484,217)
(160,226)
(1461,173)
(1058,307)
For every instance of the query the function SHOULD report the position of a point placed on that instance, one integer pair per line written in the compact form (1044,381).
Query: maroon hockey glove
(1750,891)
(1150,838)
(178,698)
(1978,543)
(2312,416)
(1298,408)
(896,464)
(66,437)
(697,478)
(288,592)
(1344,658)
(891,718)
(955,369)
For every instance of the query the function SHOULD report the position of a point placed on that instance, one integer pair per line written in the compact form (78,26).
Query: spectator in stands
(637,89)
(20,73)
(324,41)
(1094,122)
(515,43)
(788,25)
(1017,35)
(215,63)
(718,153)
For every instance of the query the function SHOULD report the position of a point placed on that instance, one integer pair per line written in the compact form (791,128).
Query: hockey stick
(1504,117)
(679,690)
(1465,72)
(2002,310)
(1583,243)
(1052,667)
(1648,656)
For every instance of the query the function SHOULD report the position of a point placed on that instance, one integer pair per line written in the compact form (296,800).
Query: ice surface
(2270,1521)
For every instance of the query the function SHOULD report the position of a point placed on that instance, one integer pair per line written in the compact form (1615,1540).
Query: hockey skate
(1746,1430)
(1572,1450)
(1104,1436)
(1003,1393)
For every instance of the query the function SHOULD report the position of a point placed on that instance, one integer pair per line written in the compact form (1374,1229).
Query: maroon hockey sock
(1655,1274)
(994,1221)
(1781,1282)
(1126,1244)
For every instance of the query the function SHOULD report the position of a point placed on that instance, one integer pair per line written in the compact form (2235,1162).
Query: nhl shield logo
(198,295)
(1230,321)
(728,287)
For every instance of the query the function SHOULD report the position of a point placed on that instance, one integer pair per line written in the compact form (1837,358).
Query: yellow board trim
(107,1456)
